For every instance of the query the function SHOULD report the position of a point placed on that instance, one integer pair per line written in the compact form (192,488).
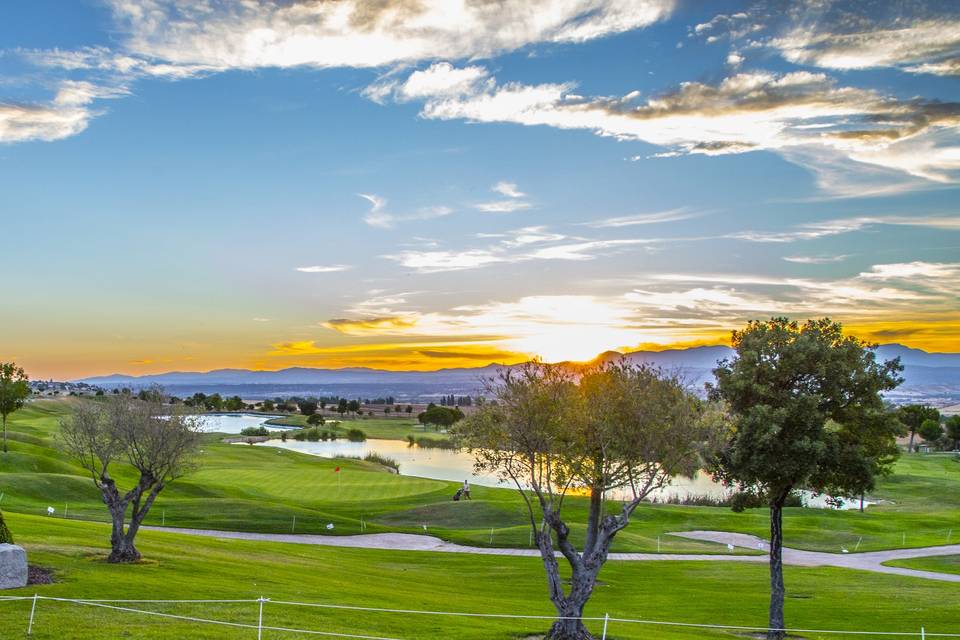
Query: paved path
(871,561)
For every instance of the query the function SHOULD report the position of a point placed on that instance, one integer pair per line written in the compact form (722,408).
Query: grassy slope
(190,568)
(262,489)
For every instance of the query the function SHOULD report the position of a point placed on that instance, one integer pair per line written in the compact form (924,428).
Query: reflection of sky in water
(457,466)
(232,422)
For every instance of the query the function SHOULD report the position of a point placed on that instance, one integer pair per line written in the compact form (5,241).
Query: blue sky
(190,185)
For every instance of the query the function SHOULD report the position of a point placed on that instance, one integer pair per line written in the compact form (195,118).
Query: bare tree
(613,427)
(155,440)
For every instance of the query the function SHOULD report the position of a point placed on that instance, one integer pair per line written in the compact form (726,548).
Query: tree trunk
(4,433)
(775,623)
(910,445)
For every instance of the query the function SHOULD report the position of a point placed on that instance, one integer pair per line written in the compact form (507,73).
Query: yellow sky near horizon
(52,360)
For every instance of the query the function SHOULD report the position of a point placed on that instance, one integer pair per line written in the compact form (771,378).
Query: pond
(232,423)
(457,466)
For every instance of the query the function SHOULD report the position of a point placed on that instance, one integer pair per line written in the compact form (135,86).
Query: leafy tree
(353,406)
(387,410)
(953,430)
(5,536)
(409,408)
(315,419)
(158,444)
(930,431)
(267,405)
(552,432)
(440,416)
(913,415)
(342,406)
(307,407)
(807,414)
(14,391)
(234,403)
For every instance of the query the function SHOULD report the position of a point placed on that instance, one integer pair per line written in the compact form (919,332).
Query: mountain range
(935,374)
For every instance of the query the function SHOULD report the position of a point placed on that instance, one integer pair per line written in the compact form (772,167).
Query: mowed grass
(942,564)
(186,568)
(239,487)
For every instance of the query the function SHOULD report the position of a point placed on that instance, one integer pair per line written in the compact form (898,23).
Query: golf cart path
(871,561)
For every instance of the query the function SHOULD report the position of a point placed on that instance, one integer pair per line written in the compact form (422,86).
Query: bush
(436,443)
(5,536)
(356,435)
(386,461)
(255,431)
(313,434)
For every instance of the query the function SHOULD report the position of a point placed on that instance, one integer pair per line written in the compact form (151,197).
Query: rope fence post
(260,600)
(606,621)
(923,634)
(33,612)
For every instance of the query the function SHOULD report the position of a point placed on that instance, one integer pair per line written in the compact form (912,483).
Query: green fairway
(181,567)
(239,487)
(943,564)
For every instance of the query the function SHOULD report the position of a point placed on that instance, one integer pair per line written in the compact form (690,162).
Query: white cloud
(513,202)
(815,259)
(67,114)
(919,46)
(378,216)
(813,230)
(364,33)
(502,206)
(508,189)
(671,215)
(749,111)
(330,268)
(521,245)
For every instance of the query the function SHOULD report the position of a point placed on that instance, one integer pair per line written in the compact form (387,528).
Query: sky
(420,184)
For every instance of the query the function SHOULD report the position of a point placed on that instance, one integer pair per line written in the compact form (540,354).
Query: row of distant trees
(938,431)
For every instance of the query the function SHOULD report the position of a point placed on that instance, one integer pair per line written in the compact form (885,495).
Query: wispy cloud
(68,113)
(514,199)
(815,259)
(812,230)
(362,33)
(329,268)
(521,245)
(745,112)
(380,218)
(682,213)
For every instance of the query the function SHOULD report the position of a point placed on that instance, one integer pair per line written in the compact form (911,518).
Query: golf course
(269,490)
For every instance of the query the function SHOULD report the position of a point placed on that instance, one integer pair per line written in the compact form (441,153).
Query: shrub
(5,536)
(411,440)
(313,434)
(356,435)
(385,461)
(255,431)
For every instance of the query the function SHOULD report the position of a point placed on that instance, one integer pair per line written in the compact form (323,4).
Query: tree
(342,406)
(953,430)
(808,414)
(912,416)
(5,536)
(158,444)
(930,430)
(553,431)
(409,408)
(14,391)
(315,419)
(353,406)
(267,405)
(234,403)
(440,416)
(307,407)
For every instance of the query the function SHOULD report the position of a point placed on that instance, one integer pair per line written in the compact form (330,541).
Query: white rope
(102,603)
